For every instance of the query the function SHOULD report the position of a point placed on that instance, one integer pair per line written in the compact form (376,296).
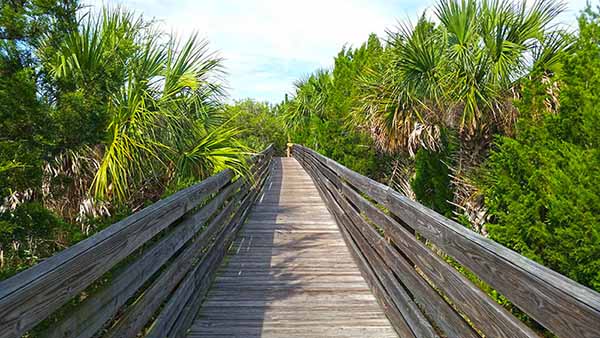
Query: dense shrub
(259,124)
(431,183)
(542,186)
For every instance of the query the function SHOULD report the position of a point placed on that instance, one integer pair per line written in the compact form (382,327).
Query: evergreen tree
(27,128)
(318,113)
(431,184)
(542,186)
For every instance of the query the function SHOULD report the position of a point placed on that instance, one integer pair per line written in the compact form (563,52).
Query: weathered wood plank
(378,289)
(137,316)
(397,321)
(485,313)
(188,312)
(173,317)
(270,271)
(418,324)
(439,311)
(198,278)
(434,306)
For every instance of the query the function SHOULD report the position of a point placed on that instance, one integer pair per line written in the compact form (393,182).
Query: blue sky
(268,44)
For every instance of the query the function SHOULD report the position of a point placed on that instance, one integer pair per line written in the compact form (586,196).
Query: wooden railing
(146,273)
(397,243)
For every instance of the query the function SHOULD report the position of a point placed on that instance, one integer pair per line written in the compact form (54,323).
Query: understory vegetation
(486,111)
(101,113)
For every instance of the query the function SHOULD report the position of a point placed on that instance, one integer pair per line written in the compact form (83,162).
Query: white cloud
(268,44)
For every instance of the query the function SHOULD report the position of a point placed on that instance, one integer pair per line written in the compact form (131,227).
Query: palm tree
(163,125)
(462,73)
(310,98)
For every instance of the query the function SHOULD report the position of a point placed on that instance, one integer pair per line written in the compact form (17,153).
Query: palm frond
(459,73)
(164,111)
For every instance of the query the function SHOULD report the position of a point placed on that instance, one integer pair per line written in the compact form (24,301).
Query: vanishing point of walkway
(289,272)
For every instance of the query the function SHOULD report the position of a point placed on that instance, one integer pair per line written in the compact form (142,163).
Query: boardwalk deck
(289,273)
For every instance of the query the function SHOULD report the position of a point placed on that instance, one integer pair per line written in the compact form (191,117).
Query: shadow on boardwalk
(289,273)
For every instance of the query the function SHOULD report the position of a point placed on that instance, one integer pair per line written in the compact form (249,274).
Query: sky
(268,44)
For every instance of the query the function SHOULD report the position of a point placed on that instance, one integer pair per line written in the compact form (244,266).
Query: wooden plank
(188,312)
(313,331)
(375,284)
(397,321)
(417,322)
(199,278)
(486,314)
(184,320)
(136,317)
(434,306)
(197,281)
(283,272)
(313,314)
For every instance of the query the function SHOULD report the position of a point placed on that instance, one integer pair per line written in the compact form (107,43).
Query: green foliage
(260,124)
(26,127)
(29,233)
(86,68)
(24,139)
(98,115)
(431,183)
(349,147)
(349,65)
(318,112)
(542,187)
(459,73)
(311,99)
(150,116)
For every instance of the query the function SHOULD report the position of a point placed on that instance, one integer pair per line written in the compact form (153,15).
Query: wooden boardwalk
(289,273)
(290,269)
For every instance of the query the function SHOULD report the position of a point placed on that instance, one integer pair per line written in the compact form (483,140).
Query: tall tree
(27,129)
(156,109)
(459,76)
(318,110)
(542,186)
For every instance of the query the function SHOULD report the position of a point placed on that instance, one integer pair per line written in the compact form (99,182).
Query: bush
(432,184)
(259,124)
(542,187)
(29,233)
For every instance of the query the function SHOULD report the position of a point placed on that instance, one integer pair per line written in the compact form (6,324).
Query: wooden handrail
(421,292)
(158,256)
